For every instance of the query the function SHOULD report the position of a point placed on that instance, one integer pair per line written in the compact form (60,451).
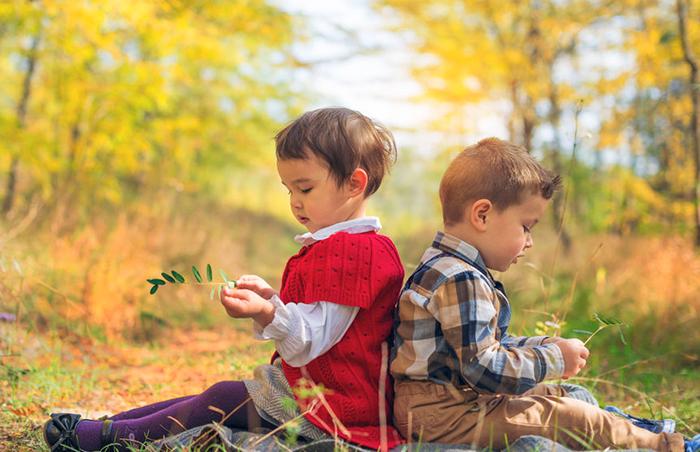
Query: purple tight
(169,417)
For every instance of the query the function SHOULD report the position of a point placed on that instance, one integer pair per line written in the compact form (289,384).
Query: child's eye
(305,190)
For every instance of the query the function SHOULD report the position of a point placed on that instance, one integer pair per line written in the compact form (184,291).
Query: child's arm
(301,331)
(465,307)
(304,331)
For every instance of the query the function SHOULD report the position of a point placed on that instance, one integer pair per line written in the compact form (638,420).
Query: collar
(450,244)
(356,226)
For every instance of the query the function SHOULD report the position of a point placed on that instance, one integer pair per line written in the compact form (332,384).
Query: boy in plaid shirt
(459,377)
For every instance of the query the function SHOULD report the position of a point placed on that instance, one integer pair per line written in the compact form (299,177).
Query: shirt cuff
(285,328)
(554,361)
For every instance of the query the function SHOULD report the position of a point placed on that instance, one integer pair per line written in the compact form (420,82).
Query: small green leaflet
(196,274)
(156,281)
(168,278)
(179,277)
(209,274)
(223,275)
(154,289)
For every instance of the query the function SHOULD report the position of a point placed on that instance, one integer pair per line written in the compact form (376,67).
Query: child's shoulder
(362,240)
(367,246)
(438,268)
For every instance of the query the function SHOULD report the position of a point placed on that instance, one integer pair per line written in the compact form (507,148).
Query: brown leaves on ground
(65,372)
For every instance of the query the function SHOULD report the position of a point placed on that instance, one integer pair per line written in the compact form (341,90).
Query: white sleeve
(303,332)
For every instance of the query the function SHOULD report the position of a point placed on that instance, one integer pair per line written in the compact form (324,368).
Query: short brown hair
(492,169)
(344,139)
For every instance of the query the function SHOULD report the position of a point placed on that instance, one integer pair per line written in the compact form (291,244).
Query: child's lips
(303,220)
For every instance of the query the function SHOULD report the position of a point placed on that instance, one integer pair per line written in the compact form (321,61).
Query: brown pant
(429,412)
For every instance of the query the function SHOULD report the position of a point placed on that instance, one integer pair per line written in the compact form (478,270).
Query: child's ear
(358,182)
(478,214)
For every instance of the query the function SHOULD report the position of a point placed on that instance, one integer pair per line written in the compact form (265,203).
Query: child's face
(314,196)
(509,232)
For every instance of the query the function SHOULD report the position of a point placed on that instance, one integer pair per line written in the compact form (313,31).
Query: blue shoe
(693,444)
(653,425)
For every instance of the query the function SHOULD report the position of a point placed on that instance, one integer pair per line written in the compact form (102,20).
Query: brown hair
(344,139)
(492,169)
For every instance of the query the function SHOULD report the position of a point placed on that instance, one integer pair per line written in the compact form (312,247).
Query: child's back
(459,377)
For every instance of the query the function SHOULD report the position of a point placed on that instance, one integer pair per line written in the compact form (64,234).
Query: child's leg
(229,397)
(568,421)
(147,409)
(428,412)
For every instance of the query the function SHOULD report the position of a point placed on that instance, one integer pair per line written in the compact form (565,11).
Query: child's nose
(529,242)
(295,202)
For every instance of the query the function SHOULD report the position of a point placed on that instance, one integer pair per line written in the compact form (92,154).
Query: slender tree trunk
(558,201)
(682,7)
(11,187)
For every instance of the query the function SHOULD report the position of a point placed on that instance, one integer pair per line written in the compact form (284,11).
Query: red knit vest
(355,270)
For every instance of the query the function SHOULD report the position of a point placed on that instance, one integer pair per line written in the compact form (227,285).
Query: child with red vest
(329,321)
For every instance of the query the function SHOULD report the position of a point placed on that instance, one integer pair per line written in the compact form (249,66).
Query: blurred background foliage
(137,137)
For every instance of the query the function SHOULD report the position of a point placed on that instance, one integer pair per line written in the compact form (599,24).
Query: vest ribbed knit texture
(354,270)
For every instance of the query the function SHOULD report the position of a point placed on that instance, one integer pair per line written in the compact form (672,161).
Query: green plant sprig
(604,322)
(176,278)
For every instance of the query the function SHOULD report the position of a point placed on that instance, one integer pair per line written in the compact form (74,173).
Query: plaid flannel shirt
(452,327)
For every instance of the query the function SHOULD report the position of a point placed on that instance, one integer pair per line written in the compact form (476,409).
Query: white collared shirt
(304,331)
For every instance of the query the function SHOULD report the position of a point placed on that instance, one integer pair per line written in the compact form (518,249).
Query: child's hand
(256,284)
(575,355)
(244,303)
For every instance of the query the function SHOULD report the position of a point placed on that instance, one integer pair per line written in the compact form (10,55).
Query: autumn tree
(107,99)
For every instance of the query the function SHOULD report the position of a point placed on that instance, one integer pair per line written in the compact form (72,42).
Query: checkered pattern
(452,327)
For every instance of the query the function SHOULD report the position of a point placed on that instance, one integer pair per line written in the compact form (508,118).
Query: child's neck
(465,233)
(358,211)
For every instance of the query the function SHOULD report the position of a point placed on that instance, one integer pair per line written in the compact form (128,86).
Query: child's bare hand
(244,303)
(256,284)
(575,355)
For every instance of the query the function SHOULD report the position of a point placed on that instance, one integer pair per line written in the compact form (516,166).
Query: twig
(382,400)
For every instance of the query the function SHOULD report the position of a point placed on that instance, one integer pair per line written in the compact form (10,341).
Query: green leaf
(223,275)
(154,289)
(622,336)
(156,281)
(196,274)
(168,277)
(209,275)
(606,320)
(211,294)
(220,287)
(582,332)
(179,277)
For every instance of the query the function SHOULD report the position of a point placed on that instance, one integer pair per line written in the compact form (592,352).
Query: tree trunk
(682,10)
(11,188)
(559,199)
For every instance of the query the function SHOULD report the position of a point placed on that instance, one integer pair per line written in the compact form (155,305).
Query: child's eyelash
(306,190)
